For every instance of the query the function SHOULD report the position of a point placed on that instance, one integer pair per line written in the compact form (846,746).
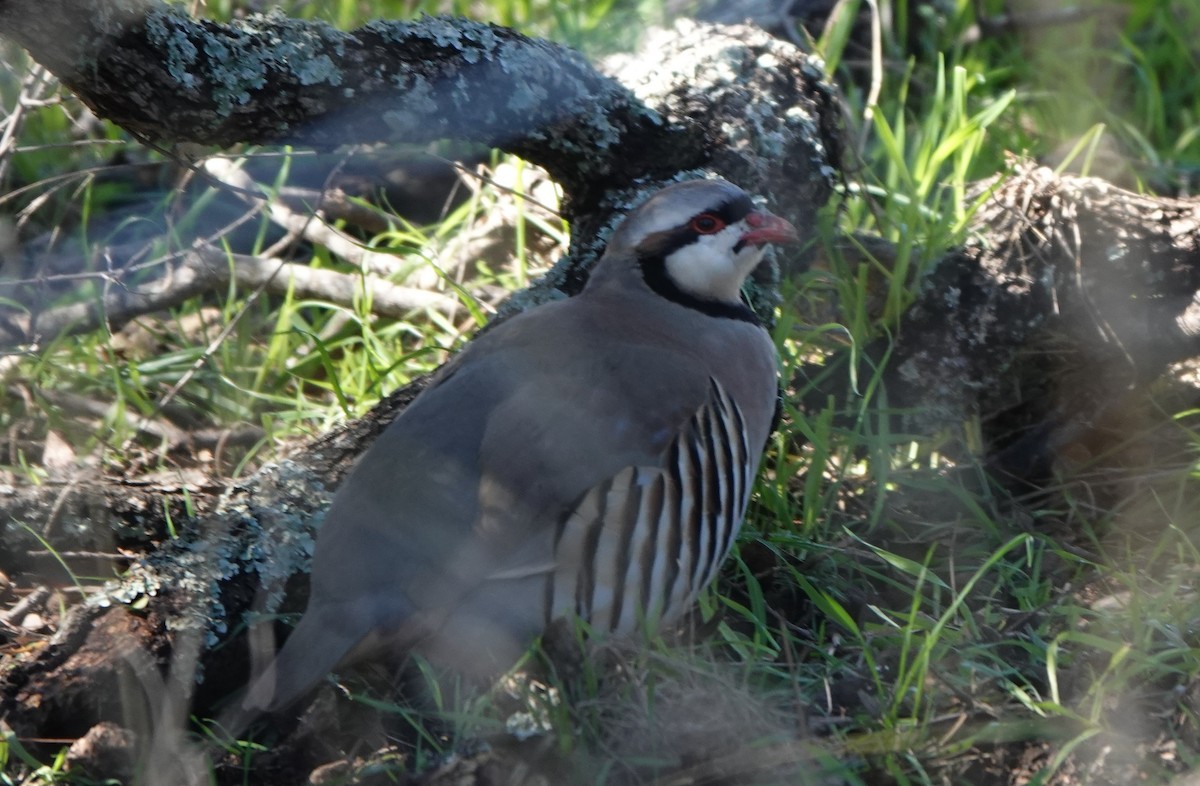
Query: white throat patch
(709,269)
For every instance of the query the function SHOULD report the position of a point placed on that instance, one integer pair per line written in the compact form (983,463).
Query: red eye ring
(706,224)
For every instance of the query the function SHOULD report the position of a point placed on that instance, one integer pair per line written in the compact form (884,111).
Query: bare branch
(206,269)
(160,428)
(386,299)
(121,302)
(309,224)
(335,205)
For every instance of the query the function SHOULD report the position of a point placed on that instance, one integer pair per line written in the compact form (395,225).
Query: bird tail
(313,650)
(315,647)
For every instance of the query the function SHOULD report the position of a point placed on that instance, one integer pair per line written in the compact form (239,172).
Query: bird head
(698,240)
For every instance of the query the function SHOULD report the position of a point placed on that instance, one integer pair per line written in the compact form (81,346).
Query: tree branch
(158,72)
(1070,293)
(205,269)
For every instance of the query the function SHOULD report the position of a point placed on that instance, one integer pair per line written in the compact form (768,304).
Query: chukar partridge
(591,457)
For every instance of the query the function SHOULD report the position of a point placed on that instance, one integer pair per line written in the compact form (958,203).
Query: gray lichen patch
(232,62)
(488,84)
(452,34)
(182,54)
(246,536)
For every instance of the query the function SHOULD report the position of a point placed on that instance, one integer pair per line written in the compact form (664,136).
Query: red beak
(769,228)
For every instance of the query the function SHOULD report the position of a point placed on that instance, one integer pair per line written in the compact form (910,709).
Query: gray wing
(641,545)
(472,480)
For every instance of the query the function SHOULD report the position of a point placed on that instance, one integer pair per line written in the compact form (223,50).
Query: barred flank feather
(641,545)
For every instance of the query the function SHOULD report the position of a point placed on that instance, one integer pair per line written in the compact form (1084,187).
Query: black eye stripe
(733,210)
(663,244)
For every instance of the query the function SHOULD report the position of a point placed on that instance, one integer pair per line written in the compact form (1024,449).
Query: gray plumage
(591,456)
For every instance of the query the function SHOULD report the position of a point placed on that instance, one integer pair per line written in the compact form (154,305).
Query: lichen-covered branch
(1075,259)
(245,548)
(1070,292)
(159,72)
(730,101)
(767,119)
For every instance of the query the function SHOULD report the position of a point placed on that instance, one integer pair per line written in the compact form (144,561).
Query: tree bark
(1070,294)
(164,75)
(155,70)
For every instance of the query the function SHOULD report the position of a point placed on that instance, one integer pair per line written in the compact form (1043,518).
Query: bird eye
(707,224)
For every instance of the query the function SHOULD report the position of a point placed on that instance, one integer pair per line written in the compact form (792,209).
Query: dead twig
(207,269)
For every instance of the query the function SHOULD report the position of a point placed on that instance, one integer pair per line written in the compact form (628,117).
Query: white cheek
(708,268)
